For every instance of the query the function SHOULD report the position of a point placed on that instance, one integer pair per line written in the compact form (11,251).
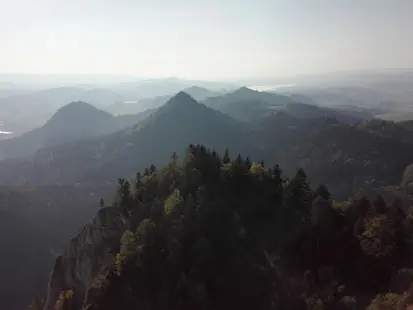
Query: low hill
(75,121)
(27,111)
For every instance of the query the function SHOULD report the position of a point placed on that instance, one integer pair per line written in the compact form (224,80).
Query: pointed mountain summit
(244,91)
(180,99)
(184,114)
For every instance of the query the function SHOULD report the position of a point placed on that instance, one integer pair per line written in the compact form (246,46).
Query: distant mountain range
(181,121)
(196,92)
(248,105)
(284,131)
(23,109)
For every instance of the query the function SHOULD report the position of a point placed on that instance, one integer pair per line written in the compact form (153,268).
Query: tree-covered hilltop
(200,231)
(214,232)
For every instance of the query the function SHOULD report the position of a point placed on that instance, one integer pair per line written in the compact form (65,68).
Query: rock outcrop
(87,252)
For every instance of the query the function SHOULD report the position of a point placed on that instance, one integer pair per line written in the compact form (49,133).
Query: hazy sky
(214,39)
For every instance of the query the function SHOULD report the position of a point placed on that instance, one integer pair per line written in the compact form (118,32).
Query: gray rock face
(76,268)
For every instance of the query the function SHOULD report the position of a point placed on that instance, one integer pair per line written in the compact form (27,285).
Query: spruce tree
(226,159)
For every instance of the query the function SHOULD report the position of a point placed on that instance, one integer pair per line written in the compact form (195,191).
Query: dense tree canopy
(212,233)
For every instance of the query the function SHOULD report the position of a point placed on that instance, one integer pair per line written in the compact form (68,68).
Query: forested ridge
(212,232)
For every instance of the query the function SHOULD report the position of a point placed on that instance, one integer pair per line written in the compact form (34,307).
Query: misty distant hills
(23,112)
(181,121)
(249,105)
(160,87)
(298,135)
(75,121)
(202,93)
(246,94)
(133,107)
(196,92)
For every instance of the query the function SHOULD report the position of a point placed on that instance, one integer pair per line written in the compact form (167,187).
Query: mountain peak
(79,111)
(244,90)
(181,99)
(77,105)
(183,96)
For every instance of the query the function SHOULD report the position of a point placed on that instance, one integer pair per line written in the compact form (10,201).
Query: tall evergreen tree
(226,159)
(323,192)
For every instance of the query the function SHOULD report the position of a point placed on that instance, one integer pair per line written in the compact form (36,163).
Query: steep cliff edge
(80,263)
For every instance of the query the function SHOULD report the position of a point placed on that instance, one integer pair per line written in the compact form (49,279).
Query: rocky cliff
(76,268)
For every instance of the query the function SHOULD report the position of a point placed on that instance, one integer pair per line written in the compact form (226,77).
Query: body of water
(2,132)
(271,87)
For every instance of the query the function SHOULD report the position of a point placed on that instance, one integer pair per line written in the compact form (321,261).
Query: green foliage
(340,205)
(217,219)
(173,202)
(65,300)
(127,251)
(256,169)
(378,238)
(218,234)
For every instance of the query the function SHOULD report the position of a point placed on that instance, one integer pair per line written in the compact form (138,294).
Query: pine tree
(238,161)
(226,159)
(247,163)
(121,182)
(174,158)
(323,192)
(276,173)
(299,195)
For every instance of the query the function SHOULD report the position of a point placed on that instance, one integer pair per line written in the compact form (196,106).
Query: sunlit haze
(204,39)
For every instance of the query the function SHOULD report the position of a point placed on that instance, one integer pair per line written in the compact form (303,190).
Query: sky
(211,39)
